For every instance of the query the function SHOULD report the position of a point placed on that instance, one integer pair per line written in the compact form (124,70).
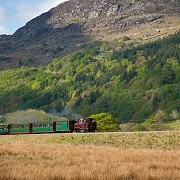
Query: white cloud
(3,14)
(3,18)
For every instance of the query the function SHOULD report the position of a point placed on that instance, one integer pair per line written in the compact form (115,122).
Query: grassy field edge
(169,140)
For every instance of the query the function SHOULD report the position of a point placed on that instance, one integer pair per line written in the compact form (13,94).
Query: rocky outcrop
(75,22)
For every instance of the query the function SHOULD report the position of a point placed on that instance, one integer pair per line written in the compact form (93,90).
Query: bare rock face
(76,22)
(93,15)
(113,10)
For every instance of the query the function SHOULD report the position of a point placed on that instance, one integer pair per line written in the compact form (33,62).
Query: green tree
(36,86)
(160,116)
(105,122)
(30,115)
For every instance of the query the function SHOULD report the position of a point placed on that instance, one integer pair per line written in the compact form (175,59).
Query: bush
(125,38)
(126,127)
(160,116)
(174,115)
(105,122)
(138,127)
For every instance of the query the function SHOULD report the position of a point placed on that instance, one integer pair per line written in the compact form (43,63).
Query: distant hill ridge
(75,22)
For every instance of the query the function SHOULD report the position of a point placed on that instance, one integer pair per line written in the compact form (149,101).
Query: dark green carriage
(62,126)
(3,129)
(19,128)
(42,127)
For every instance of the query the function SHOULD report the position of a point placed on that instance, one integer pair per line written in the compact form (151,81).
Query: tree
(105,122)
(160,116)
(36,86)
(28,116)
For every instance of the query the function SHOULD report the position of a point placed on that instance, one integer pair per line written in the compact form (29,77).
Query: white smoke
(68,113)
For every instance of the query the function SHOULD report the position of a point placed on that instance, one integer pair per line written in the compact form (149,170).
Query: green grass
(151,140)
(174,125)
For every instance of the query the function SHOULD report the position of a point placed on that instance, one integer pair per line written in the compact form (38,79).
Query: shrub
(126,127)
(105,122)
(125,38)
(138,127)
(160,116)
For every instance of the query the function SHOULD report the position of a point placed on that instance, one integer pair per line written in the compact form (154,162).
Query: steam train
(84,125)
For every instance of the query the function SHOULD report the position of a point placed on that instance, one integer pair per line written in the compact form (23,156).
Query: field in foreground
(167,140)
(92,156)
(58,161)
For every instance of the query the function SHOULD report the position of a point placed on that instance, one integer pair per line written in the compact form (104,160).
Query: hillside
(135,84)
(65,28)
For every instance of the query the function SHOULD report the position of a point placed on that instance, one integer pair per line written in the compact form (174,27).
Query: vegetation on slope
(131,83)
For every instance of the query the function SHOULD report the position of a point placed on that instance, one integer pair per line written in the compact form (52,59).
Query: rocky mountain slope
(73,23)
(138,84)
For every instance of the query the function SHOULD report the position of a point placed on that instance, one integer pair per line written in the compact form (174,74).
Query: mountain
(71,24)
(134,84)
(115,56)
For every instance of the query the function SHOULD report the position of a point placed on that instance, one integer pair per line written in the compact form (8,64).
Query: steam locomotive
(83,125)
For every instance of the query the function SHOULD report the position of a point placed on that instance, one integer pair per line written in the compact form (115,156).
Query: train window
(58,123)
(3,127)
(40,125)
(50,124)
(35,125)
(44,125)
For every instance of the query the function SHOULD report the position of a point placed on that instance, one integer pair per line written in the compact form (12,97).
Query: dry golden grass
(60,161)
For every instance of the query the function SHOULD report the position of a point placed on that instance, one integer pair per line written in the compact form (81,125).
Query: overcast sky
(15,13)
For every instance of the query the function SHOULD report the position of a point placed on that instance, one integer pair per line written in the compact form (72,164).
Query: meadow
(91,156)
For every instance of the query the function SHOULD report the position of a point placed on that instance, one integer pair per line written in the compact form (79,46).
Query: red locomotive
(85,125)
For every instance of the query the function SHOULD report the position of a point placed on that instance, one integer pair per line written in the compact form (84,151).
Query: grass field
(151,140)
(174,125)
(91,156)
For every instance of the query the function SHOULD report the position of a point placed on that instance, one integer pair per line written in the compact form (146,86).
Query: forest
(133,83)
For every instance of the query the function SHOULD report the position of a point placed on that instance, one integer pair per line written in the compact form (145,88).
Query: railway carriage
(3,129)
(87,125)
(18,129)
(42,127)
